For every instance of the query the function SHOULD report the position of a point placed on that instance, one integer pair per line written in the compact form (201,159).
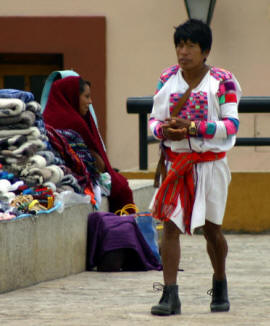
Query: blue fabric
(57,205)
(15,93)
(147,226)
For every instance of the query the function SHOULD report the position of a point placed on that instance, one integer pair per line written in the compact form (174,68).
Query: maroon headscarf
(62,112)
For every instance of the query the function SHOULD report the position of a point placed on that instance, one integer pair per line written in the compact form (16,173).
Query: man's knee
(170,230)
(212,231)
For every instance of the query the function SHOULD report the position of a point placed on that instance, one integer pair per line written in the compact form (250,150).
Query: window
(28,71)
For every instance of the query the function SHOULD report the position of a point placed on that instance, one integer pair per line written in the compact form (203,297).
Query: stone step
(139,174)
(143,192)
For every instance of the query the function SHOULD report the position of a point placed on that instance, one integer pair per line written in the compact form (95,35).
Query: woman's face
(85,100)
(190,55)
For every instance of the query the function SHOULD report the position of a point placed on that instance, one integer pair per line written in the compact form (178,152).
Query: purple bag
(115,243)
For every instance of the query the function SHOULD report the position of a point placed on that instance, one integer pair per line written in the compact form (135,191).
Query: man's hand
(176,123)
(175,128)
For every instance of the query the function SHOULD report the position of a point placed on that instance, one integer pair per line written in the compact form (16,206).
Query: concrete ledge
(143,192)
(44,247)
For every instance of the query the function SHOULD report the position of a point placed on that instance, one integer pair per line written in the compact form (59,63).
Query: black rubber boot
(169,303)
(219,292)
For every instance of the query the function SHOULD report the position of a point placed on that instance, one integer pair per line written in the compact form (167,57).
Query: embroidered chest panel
(195,108)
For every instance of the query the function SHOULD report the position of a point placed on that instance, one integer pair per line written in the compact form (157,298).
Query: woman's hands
(99,161)
(175,128)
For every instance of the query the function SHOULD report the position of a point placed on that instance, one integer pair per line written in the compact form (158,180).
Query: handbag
(115,243)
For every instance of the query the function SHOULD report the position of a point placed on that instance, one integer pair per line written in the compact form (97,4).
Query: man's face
(190,55)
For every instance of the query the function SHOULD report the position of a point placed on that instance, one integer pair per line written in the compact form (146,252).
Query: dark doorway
(28,71)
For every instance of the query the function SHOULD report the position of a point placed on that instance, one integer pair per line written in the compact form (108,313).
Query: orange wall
(248,205)
(81,40)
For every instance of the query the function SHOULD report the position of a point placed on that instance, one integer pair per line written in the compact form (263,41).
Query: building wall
(139,45)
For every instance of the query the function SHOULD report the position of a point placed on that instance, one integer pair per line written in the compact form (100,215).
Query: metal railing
(143,106)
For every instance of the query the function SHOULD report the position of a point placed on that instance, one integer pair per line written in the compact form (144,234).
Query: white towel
(11,107)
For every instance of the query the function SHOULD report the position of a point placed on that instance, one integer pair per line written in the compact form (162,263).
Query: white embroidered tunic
(213,105)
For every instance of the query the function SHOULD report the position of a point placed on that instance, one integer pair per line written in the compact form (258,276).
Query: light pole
(200,9)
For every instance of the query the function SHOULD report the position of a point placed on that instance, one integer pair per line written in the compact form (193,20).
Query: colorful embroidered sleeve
(165,75)
(229,123)
(155,126)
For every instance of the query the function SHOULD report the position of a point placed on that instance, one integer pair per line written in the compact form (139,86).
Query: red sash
(179,180)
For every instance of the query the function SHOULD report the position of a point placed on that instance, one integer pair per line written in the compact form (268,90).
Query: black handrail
(143,106)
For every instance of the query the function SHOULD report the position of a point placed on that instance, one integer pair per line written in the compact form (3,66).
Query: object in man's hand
(192,130)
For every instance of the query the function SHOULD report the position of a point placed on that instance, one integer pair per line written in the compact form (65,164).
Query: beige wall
(139,46)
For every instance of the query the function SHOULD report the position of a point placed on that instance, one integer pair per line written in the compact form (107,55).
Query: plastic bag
(147,226)
(70,198)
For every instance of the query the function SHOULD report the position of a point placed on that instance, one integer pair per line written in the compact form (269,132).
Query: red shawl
(62,112)
(179,181)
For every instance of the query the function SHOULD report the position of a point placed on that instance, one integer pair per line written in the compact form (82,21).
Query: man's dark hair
(196,31)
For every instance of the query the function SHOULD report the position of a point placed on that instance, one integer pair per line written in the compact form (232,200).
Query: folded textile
(33,180)
(44,172)
(4,185)
(32,167)
(5,191)
(105,183)
(13,164)
(15,93)
(33,106)
(72,160)
(6,175)
(31,133)
(4,206)
(11,107)
(48,156)
(36,161)
(71,181)
(6,216)
(7,196)
(8,121)
(39,123)
(36,176)
(57,174)
(25,120)
(14,141)
(14,186)
(66,169)
(27,149)
(50,185)
(76,142)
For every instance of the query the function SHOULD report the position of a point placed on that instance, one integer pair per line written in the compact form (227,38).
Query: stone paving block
(125,298)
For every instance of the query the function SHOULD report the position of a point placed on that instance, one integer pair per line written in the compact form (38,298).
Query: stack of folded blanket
(40,161)
(24,147)
(19,138)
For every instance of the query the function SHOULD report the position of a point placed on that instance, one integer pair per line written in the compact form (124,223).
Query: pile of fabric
(37,163)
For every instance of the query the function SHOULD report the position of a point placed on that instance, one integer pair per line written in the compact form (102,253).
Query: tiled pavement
(125,299)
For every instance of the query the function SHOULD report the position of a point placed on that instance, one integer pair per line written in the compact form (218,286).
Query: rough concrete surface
(42,247)
(125,298)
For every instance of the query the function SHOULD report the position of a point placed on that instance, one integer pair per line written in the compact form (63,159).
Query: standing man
(195,116)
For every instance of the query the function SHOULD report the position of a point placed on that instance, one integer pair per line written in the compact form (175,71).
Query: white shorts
(213,179)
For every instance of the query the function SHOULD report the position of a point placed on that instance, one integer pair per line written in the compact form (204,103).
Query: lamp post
(200,9)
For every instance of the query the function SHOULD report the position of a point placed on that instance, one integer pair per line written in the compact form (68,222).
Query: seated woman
(68,108)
